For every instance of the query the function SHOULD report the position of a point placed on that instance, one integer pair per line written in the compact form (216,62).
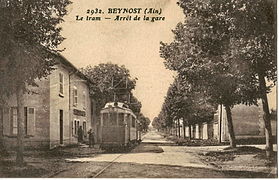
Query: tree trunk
(230,126)
(20,127)
(220,124)
(190,132)
(175,126)
(266,116)
(2,148)
(184,130)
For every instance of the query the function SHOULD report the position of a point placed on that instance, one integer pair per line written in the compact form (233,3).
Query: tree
(250,27)
(255,43)
(29,33)
(110,83)
(201,54)
(135,104)
(144,122)
(156,124)
(186,103)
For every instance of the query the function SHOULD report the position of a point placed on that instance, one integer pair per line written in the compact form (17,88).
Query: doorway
(61,125)
(1,121)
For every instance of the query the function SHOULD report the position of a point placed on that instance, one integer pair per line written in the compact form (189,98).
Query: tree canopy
(226,49)
(29,35)
(144,122)
(111,82)
(186,103)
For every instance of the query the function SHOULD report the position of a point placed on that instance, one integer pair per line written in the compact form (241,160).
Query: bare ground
(156,157)
(43,163)
(245,159)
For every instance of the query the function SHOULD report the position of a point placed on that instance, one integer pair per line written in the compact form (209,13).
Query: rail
(107,166)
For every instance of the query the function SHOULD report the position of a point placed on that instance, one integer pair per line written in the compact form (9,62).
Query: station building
(53,111)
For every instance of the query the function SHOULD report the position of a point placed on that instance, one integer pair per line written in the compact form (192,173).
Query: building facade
(52,111)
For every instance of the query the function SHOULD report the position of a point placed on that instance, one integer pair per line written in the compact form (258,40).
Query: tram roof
(117,105)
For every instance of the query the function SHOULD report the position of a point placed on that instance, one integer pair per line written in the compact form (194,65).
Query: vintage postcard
(138,89)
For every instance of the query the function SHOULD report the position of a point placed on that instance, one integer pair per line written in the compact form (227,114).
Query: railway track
(106,167)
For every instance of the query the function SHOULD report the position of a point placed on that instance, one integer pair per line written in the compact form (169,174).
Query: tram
(119,127)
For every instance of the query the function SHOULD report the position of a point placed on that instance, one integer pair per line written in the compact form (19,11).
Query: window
(75,127)
(105,119)
(14,120)
(120,119)
(61,84)
(84,128)
(84,99)
(75,93)
(113,119)
(128,120)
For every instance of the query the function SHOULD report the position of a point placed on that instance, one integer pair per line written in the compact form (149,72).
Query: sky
(134,44)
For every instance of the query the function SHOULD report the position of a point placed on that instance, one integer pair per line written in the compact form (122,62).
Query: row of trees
(183,102)
(226,50)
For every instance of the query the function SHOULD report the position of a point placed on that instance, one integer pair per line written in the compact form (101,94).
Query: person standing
(91,138)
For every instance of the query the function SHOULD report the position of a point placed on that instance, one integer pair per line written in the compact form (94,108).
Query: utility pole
(114,87)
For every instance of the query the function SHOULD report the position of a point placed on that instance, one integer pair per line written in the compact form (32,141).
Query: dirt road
(155,157)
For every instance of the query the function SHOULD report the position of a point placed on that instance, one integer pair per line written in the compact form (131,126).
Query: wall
(47,102)
(82,87)
(39,100)
(57,103)
(247,121)
(204,131)
(215,130)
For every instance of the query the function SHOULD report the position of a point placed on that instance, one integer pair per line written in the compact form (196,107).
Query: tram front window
(120,119)
(105,119)
(128,120)
(113,119)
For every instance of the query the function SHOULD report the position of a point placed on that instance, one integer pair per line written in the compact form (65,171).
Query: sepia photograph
(138,89)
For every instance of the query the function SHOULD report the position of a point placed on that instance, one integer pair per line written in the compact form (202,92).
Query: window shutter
(31,121)
(6,121)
